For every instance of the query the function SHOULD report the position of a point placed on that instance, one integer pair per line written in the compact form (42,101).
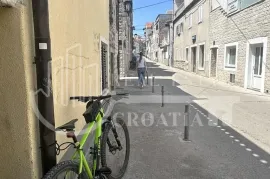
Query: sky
(149,14)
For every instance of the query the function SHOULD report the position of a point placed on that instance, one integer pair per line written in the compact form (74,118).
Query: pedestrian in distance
(141,69)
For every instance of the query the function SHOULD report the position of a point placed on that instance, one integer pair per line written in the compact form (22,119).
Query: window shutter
(104,66)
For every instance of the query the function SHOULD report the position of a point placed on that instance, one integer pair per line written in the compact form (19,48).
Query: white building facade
(191,36)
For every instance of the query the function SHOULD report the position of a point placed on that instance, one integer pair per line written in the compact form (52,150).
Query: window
(120,44)
(239,5)
(117,17)
(246,3)
(156,26)
(190,20)
(200,13)
(187,54)
(201,56)
(177,31)
(258,61)
(181,28)
(230,56)
(111,11)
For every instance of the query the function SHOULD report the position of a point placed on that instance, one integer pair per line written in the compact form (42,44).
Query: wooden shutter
(104,66)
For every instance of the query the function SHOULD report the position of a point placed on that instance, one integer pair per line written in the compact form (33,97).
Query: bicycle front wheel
(65,170)
(111,156)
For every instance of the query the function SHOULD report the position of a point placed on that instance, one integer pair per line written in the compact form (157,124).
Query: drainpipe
(44,82)
(118,32)
(172,46)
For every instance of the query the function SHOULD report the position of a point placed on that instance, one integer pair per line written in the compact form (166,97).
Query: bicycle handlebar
(88,98)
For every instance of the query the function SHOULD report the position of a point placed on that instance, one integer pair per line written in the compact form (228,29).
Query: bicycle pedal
(104,170)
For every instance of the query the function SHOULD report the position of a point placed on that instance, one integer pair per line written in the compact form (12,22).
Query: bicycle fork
(111,147)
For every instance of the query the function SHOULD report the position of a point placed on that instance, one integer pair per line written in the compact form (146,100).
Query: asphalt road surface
(158,151)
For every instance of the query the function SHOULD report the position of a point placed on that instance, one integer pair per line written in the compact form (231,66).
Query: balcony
(180,9)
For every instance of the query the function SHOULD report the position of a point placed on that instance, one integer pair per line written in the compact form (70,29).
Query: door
(213,62)
(256,66)
(193,58)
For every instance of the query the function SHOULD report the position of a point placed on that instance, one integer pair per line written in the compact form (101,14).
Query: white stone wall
(251,23)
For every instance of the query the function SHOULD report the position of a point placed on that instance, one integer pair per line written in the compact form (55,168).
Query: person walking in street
(141,69)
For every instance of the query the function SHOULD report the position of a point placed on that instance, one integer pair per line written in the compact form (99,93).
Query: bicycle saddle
(68,126)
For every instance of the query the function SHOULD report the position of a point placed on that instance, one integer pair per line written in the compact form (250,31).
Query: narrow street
(158,150)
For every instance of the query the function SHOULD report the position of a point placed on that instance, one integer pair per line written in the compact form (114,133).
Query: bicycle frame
(79,152)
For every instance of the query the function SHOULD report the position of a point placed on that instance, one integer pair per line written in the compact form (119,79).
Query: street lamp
(128,6)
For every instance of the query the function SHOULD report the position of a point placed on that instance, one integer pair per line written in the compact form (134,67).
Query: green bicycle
(79,167)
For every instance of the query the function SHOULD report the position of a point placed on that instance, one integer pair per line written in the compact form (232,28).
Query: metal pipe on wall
(44,82)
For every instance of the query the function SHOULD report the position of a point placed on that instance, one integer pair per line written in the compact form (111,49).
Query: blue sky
(149,14)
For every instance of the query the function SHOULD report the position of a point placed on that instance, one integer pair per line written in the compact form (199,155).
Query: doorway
(213,62)
(255,64)
(193,58)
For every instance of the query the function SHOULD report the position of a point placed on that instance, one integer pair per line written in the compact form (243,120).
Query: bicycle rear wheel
(118,162)
(65,170)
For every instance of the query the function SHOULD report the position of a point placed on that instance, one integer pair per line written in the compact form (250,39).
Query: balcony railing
(180,9)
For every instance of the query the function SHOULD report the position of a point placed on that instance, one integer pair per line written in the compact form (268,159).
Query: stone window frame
(226,47)
(204,55)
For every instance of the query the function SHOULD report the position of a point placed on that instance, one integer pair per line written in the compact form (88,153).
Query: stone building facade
(239,37)
(125,38)
(160,31)
(138,44)
(114,36)
(148,32)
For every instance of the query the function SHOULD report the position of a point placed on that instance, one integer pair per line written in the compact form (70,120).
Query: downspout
(44,82)
(118,32)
